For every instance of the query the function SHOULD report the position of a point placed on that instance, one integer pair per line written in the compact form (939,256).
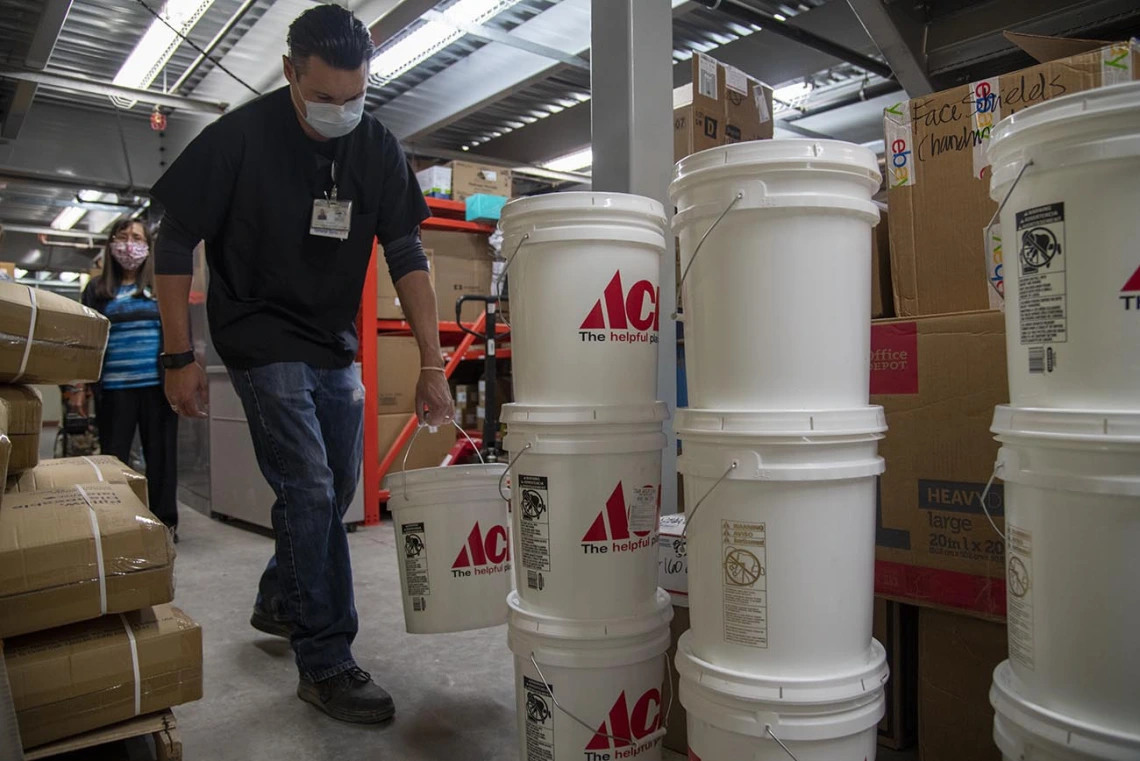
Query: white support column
(631,57)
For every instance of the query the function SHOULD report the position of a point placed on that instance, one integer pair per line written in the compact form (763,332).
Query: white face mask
(330,120)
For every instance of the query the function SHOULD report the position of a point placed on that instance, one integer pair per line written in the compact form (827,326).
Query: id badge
(331,218)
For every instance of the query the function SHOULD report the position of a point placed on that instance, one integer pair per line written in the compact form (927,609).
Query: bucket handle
(768,730)
(499,280)
(507,470)
(739,196)
(986,492)
(994,220)
(657,734)
(408,451)
(693,513)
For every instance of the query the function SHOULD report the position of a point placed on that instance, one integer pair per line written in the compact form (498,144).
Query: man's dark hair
(332,34)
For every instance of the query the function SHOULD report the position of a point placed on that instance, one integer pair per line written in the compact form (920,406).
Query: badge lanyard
(332,218)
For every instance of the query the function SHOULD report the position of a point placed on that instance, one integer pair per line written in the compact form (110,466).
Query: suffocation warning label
(416,564)
(538,704)
(1019,579)
(744,551)
(534,527)
(643,509)
(1041,282)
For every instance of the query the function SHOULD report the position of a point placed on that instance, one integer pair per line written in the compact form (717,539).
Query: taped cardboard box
(895,625)
(64,551)
(82,677)
(939,379)
(67,338)
(942,259)
(468,179)
(69,471)
(397,372)
(428,450)
(882,300)
(21,420)
(722,105)
(388,306)
(462,268)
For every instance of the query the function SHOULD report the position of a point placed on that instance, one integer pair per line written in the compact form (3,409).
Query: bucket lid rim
(534,624)
(612,414)
(446,475)
(1103,426)
(839,154)
(780,423)
(585,199)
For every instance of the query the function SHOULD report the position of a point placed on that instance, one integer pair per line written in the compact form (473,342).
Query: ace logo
(624,733)
(1131,292)
(632,316)
(483,554)
(623,526)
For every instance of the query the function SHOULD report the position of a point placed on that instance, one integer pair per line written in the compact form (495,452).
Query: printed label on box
(986,113)
(706,84)
(900,146)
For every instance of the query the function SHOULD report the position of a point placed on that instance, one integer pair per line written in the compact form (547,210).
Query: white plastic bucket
(584,270)
(1027,731)
(782,550)
(778,301)
(608,675)
(734,715)
(453,544)
(1072,287)
(1072,502)
(586,496)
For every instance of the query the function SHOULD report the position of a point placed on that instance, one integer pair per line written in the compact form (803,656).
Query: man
(288,193)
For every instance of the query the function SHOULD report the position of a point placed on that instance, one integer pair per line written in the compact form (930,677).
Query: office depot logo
(625,733)
(624,316)
(483,554)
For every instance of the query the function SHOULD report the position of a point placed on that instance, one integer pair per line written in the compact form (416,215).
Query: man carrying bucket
(289,192)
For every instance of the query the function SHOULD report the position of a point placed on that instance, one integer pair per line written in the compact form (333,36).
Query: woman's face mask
(129,254)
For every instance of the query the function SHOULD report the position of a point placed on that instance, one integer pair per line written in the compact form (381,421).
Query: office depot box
(722,105)
(67,339)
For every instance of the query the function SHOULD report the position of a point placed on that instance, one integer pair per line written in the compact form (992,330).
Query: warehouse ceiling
(507,80)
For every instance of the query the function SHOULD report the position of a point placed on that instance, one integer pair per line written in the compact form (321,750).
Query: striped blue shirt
(135,341)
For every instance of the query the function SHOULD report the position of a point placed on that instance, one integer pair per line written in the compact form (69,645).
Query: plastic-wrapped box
(69,471)
(48,338)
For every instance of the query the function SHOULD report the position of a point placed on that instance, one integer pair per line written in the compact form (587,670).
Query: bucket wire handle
(985,507)
(693,513)
(651,737)
(768,729)
(701,242)
(1001,206)
(507,470)
(404,466)
(499,280)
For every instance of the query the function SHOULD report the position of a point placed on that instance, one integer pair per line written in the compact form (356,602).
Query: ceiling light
(69,277)
(68,218)
(571,162)
(791,96)
(779,17)
(19,273)
(158,44)
(97,196)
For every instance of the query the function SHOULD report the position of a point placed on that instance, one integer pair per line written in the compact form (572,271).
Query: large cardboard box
(722,105)
(67,338)
(397,371)
(428,449)
(21,420)
(956,661)
(938,379)
(941,259)
(69,471)
(895,625)
(882,300)
(90,675)
(462,268)
(468,179)
(62,549)
(388,306)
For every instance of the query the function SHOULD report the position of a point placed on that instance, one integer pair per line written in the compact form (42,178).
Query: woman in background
(129,395)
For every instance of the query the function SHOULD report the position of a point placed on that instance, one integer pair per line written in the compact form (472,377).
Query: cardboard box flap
(69,471)
(47,537)
(1044,48)
(21,410)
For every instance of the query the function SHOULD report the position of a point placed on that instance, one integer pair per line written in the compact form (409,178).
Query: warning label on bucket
(1041,277)
(416,564)
(744,549)
(1020,600)
(643,509)
(539,706)
(534,527)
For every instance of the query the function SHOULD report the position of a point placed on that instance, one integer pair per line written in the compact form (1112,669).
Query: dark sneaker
(266,622)
(350,696)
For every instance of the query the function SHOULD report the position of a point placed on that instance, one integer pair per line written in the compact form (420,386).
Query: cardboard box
(51,561)
(398,370)
(676,728)
(462,268)
(388,306)
(939,180)
(435,181)
(895,625)
(882,299)
(68,339)
(69,471)
(82,677)
(938,379)
(428,449)
(468,179)
(956,661)
(21,420)
(722,105)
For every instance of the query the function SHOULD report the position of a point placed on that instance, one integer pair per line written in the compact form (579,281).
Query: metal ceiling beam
(528,170)
(18,110)
(47,33)
(44,230)
(901,39)
(91,87)
(488,34)
(207,51)
(61,203)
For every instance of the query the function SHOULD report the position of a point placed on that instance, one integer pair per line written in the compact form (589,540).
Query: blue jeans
(307,426)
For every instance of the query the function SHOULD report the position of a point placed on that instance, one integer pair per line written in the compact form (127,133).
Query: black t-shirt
(246,187)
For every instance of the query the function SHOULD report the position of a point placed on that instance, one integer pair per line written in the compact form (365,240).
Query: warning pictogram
(534,528)
(741,568)
(539,710)
(1018,577)
(1019,581)
(1042,284)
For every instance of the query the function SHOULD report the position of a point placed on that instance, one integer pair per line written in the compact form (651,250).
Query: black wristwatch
(176,361)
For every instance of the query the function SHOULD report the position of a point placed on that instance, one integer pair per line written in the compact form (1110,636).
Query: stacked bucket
(588,626)
(779,451)
(1067,176)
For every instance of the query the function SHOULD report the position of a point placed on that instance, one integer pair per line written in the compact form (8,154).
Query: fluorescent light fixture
(158,44)
(571,162)
(97,196)
(19,273)
(68,218)
(779,17)
(68,277)
(433,36)
(791,96)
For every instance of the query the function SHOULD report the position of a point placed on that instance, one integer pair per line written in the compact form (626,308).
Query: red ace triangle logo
(615,516)
(492,549)
(1133,283)
(617,310)
(623,728)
